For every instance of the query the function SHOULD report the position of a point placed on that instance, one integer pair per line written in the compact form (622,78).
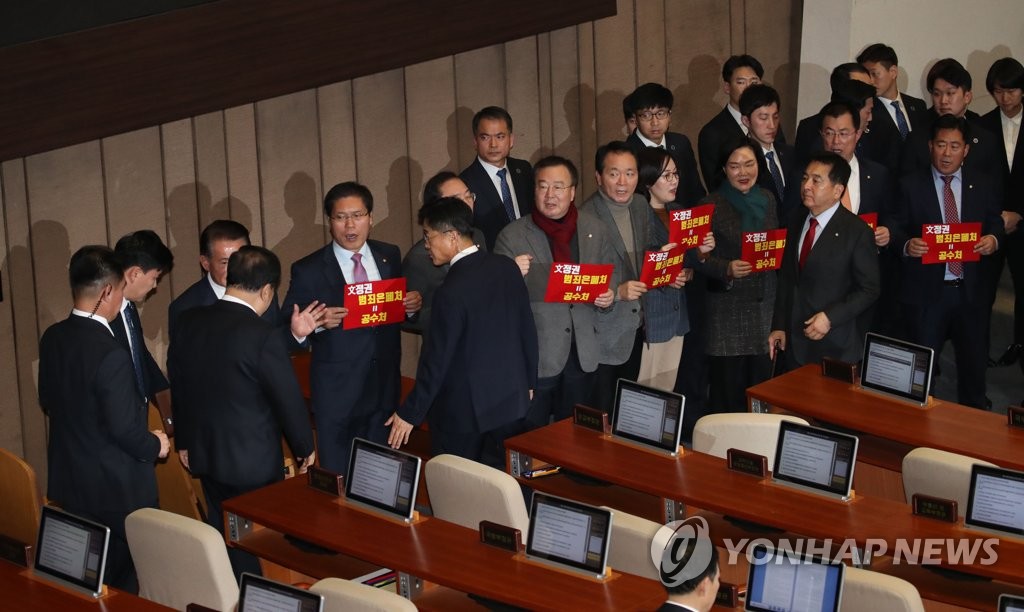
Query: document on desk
(561,533)
(377,477)
(64,550)
(797,587)
(890,367)
(260,600)
(999,501)
(807,458)
(641,415)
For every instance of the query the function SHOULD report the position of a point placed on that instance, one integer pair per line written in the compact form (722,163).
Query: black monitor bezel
(673,446)
(976,470)
(902,344)
(248,579)
(785,426)
(532,553)
(405,514)
(804,559)
(1007,599)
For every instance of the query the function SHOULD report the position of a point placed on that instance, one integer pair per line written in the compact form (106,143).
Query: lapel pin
(975,140)
(590,235)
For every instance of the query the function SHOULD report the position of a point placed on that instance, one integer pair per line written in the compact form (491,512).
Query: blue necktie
(506,194)
(901,120)
(135,329)
(773,168)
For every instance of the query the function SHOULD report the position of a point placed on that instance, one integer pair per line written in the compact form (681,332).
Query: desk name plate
(590,418)
(325,481)
(839,370)
(747,463)
(1015,416)
(500,536)
(934,507)
(728,595)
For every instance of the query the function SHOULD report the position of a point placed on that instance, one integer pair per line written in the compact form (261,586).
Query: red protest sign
(763,250)
(661,267)
(687,228)
(871,219)
(950,242)
(577,283)
(374,303)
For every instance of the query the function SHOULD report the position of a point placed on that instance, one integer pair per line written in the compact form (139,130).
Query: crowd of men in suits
(498,357)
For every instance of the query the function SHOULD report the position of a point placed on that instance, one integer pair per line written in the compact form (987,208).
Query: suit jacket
(1013,180)
(919,204)
(664,309)
(234,393)
(712,140)
(739,311)
(876,190)
(985,153)
(690,187)
(840,278)
(200,293)
(343,360)
(422,275)
(479,360)
(488,211)
(100,452)
(153,379)
(887,146)
(558,325)
(785,158)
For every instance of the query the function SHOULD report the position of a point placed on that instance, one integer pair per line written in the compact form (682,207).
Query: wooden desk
(20,593)
(704,481)
(942,425)
(433,550)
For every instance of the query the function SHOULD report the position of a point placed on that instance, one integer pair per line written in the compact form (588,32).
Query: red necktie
(358,271)
(805,247)
(956,268)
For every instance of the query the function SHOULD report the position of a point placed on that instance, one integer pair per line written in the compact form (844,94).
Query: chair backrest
(940,474)
(180,560)
(715,434)
(868,591)
(465,492)
(630,549)
(342,595)
(19,499)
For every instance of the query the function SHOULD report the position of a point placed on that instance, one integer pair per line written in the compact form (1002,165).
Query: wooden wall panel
(289,173)
(778,21)
(337,139)
(695,57)
(587,103)
(432,133)
(615,69)
(10,408)
(243,173)
(521,96)
(180,201)
(212,170)
(650,41)
(479,82)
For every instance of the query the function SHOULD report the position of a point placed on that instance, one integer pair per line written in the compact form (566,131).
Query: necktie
(1010,142)
(805,247)
(135,330)
(956,268)
(358,271)
(506,194)
(901,120)
(773,168)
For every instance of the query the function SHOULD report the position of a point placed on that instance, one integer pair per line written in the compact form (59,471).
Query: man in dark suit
(146,260)
(355,375)
(478,367)
(896,114)
(738,73)
(776,161)
(421,273)
(216,244)
(503,185)
(100,455)
(1005,81)
(950,86)
(689,571)
(949,301)
(235,391)
(849,83)
(652,107)
(829,278)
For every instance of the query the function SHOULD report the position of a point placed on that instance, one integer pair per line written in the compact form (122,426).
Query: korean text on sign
(763,250)
(571,283)
(950,242)
(374,303)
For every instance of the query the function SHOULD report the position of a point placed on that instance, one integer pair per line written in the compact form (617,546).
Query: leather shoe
(1010,355)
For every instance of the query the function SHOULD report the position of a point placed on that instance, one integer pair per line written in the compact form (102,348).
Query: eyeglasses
(670,176)
(465,196)
(427,236)
(841,134)
(646,116)
(558,188)
(344,217)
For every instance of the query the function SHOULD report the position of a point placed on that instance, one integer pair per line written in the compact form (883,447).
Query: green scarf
(752,206)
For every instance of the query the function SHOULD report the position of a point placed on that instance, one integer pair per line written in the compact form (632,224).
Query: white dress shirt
(344,257)
(492,171)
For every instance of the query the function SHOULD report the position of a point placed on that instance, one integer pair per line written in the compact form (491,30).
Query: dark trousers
(964,320)
(120,570)
(486,447)
(607,377)
(692,378)
(216,493)
(1011,252)
(730,377)
(336,432)
(555,396)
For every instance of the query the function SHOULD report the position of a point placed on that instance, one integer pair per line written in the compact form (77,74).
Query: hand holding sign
(763,250)
(662,267)
(578,283)
(375,303)
(947,242)
(689,228)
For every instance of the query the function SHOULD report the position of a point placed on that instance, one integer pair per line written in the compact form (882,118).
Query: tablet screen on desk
(781,581)
(382,478)
(568,533)
(996,500)
(1011,603)
(815,458)
(897,368)
(257,594)
(72,550)
(648,416)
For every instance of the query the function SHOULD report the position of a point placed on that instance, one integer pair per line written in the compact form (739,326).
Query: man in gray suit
(634,228)
(567,333)
(829,277)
